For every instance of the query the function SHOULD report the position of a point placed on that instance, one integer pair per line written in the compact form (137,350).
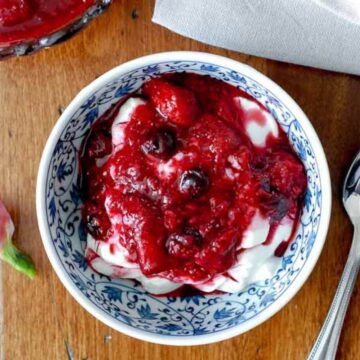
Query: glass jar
(28,35)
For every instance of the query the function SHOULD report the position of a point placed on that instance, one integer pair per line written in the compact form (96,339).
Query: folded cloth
(350,9)
(318,33)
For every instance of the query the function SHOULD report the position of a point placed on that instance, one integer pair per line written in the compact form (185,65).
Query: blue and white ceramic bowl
(123,304)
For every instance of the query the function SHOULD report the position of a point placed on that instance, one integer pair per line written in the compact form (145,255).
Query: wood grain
(40,316)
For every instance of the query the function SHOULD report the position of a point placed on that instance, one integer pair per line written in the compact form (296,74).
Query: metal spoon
(327,342)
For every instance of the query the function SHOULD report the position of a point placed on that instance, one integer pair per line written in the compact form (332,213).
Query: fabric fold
(317,33)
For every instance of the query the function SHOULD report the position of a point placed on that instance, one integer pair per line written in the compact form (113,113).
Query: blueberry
(93,224)
(161,144)
(193,182)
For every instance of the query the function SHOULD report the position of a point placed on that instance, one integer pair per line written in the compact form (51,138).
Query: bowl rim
(111,75)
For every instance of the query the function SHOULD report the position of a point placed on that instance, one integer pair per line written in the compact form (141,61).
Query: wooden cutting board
(38,317)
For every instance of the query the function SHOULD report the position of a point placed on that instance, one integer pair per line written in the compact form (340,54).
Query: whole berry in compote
(175,103)
(193,182)
(161,144)
(93,224)
(184,245)
(96,221)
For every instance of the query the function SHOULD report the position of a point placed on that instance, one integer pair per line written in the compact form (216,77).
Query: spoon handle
(326,344)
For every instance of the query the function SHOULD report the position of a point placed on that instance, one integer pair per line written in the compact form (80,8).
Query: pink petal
(6,225)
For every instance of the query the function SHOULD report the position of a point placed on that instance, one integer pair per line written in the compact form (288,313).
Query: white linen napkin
(318,33)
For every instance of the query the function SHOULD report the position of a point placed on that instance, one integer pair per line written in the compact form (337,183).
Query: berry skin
(184,245)
(96,221)
(193,182)
(162,144)
(176,104)
(99,146)
(93,224)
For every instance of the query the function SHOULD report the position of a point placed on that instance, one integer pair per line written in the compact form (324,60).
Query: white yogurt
(254,262)
(258,131)
(122,118)
(256,233)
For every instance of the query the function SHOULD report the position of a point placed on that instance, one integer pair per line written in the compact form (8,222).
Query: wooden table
(40,316)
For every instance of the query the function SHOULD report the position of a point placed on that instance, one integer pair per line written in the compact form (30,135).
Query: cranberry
(193,182)
(184,245)
(162,144)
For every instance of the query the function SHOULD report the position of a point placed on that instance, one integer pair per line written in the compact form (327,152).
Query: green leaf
(19,260)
